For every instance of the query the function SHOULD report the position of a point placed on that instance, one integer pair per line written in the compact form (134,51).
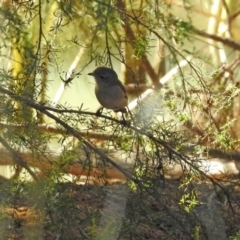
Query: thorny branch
(46,110)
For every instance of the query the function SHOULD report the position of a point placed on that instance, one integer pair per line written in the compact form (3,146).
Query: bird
(109,90)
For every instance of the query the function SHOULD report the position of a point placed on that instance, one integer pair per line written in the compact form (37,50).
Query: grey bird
(109,90)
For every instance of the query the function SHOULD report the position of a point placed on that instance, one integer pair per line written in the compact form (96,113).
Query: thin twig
(17,158)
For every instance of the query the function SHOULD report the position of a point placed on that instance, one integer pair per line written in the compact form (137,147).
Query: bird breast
(111,97)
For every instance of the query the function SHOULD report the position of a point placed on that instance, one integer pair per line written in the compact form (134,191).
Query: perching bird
(109,90)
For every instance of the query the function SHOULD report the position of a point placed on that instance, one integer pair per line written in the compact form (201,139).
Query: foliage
(190,115)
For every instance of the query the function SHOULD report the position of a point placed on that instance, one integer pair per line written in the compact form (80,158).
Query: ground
(119,211)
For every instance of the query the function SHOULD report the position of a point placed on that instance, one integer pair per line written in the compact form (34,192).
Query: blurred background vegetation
(179,61)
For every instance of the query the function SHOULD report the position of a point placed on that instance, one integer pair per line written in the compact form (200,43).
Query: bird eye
(101,76)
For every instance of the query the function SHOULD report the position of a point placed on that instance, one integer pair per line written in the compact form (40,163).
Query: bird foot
(99,112)
(125,123)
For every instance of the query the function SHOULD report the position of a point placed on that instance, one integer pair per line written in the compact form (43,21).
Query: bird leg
(128,111)
(124,121)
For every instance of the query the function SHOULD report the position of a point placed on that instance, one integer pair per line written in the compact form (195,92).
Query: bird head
(104,75)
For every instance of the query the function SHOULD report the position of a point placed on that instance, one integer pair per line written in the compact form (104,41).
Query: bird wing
(118,83)
(122,87)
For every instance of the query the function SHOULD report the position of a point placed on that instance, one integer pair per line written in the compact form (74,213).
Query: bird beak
(91,74)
